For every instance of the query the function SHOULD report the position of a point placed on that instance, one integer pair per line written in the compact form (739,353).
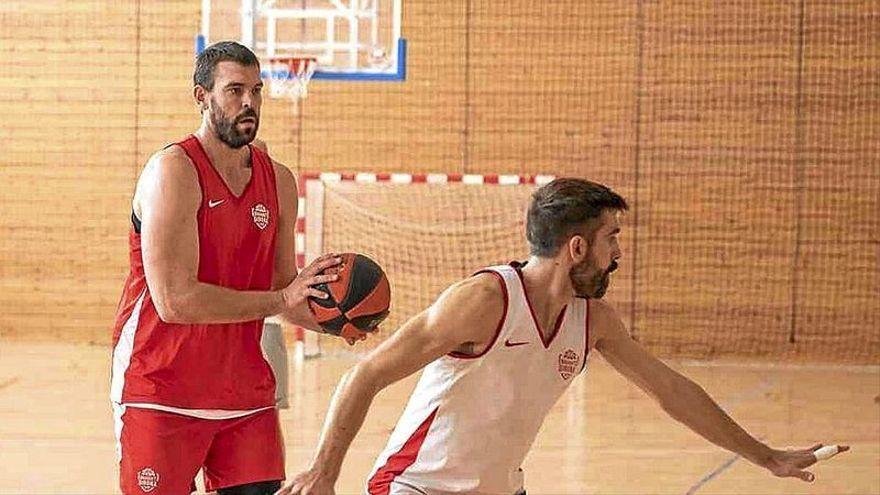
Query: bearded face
(591,277)
(231,108)
(591,280)
(236,131)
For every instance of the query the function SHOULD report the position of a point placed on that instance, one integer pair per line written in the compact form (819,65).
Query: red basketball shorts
(161,452)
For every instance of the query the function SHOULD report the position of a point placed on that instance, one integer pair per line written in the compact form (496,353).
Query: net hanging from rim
(289,77)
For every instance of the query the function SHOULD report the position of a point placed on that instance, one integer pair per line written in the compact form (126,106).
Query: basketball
(359,300)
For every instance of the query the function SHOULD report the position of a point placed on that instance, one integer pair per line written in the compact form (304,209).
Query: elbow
(171,309)
(174,297)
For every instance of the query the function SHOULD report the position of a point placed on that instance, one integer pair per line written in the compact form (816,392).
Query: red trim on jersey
(482,353)
(559,318)
(586,333)
(380,483)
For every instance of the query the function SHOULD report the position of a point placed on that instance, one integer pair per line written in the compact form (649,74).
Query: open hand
(791,463)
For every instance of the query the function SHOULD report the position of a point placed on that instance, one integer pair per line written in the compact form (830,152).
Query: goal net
(426,231)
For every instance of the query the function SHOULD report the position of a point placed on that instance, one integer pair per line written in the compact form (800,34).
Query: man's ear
(578,247)
(200,96)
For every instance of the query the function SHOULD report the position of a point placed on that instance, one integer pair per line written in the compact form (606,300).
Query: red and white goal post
(426,231)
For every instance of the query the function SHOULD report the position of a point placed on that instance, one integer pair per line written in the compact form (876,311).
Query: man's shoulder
(483,288)
(170,165)
(170,159)
(173,153)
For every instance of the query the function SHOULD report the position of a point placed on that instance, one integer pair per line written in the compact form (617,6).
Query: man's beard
(589,281)
(227,129)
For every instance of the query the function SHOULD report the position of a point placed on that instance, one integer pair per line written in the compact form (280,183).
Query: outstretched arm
(688,403)
(426,337)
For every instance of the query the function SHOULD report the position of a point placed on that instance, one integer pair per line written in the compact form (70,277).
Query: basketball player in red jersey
(498,349)
(212,254)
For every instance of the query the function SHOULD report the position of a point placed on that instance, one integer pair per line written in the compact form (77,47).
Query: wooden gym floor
(603,437)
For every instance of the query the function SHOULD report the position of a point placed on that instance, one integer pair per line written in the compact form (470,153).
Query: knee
(261,488)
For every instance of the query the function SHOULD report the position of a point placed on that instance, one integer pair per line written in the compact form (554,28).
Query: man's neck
(222,156)
(549,289)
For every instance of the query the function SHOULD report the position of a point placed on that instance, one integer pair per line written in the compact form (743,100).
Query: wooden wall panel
(417,125)
(745,135)
(67,168)
(838,262)
(717,216)
(552,87)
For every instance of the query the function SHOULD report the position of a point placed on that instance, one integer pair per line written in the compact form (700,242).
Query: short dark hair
(222,51)
(560,207)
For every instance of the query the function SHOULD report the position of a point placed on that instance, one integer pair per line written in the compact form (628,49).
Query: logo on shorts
(261,215)
(148,479)
(568,361)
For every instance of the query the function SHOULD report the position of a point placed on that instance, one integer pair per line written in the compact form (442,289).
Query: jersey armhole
(135,222)
(500,326)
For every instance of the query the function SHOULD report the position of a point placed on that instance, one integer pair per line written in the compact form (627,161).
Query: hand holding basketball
(295,295)
(357,301)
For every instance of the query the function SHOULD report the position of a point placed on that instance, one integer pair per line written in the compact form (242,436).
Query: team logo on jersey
(568,361)
(261,215)
(148,479)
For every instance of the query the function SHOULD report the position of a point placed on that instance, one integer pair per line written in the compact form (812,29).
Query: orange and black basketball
(359,300)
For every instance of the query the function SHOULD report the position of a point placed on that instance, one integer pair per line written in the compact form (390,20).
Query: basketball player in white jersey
(499,348)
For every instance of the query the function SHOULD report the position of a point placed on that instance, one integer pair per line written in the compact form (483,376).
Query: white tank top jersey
(472,419)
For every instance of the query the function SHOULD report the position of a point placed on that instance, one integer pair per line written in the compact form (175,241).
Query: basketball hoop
(289,77)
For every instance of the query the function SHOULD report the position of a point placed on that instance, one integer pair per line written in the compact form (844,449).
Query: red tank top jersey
(204,366)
